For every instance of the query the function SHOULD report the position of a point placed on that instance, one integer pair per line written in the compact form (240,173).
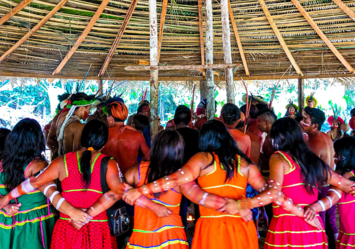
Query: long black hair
(214,137)
(3,134)
(24,144)
(95,135)
(166,155)
(345,151)
(287,136)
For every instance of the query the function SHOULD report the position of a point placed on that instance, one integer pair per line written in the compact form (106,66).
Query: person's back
(243,141)
(168,231)
(124,147)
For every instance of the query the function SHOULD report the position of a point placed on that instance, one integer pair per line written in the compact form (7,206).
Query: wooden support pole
(181,67)
(203,89)
(227,51)
(14,11)
(161,26)
(99,83)
(322,35)
(33,30)
(237,37)
(154,83)
(279,36)
(300,94)
(211,109)
(82,36)
(200,25)
(119,35)
(345,8)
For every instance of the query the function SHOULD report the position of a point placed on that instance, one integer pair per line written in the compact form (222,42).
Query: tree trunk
(300,94)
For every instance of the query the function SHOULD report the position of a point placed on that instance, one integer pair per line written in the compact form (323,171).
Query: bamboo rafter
(322,35)
(33,30)
(161,26)
(279,36)
(81,37)
(345,8)
(237,37)
(14,11)
(200,27)
(123,27)
(181,67)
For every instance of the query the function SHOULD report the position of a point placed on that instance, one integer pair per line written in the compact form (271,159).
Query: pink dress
(346,210)
(287,230)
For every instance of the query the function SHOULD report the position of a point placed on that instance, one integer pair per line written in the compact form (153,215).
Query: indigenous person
(69,127)
(3,134)
(291,110)
(140,122)
(201,113)
(321,145)
(191,139)
(222,169)
(166,157)
(144,109)
(51,141)
(124,146)
(231,116)
(80,175)
(99,113)
(311,101)
(335,131)
(130,119)
(345,151)
(29,220)
(352,122)
(298,173)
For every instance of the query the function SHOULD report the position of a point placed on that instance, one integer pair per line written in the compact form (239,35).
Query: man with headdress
(291,110)
(335,131)
(231,116)
(352,122)
(106,103)
(321,145)
(98,105)
(123,145)
(311,101)
(69,127)
(51,141)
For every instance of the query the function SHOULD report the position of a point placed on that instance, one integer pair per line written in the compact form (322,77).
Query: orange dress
(153,232)
(219,231)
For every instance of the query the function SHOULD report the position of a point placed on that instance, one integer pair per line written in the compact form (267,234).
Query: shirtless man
(51,141)
(231,116)
(98,105)
(266,119)
(69,127)
(321,145)
(123,146)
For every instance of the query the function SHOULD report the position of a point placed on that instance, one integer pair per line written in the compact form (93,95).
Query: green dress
(32,226)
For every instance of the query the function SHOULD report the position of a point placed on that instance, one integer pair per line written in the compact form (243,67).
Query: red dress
(346,207)
(287,230)
(94,235)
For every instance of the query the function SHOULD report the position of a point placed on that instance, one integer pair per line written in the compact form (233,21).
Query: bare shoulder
(35,167)
(244,164)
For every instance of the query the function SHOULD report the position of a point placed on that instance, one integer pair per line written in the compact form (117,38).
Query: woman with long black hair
(221,169)
(21,159)
(80,176)
(345,152)
(150,231)
(298,173)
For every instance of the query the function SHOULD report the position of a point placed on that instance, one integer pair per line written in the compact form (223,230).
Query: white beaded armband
(53,195)
(330,200)
(46,188)
(59,203)
(322,205)
(335,191)
(202,201)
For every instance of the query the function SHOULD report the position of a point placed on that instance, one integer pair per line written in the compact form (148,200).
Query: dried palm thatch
(40,55)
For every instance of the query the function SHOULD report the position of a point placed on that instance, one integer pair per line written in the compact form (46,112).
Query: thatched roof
(40,55)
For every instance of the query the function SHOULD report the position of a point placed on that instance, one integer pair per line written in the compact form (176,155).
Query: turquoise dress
(32,226)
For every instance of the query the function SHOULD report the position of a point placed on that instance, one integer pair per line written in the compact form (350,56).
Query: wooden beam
(211,108)
(142,62)
(345,8)
(99,83)
(14,11)
(181,67)
(169,78)
(33,30)
(203,89)
(227,51)
(161,26)
(82,36)
(119,35)
(154,83)
(237,37)
(200,25)
(300,94)
(322,35)
(279,36)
